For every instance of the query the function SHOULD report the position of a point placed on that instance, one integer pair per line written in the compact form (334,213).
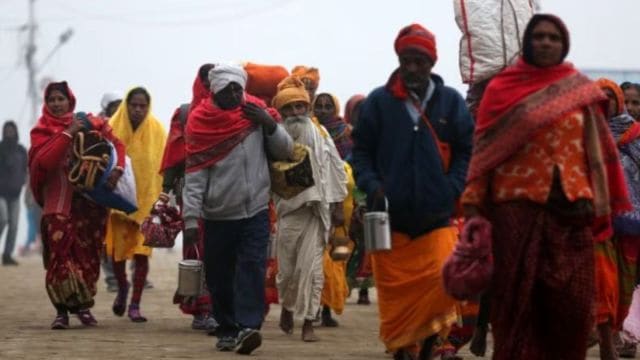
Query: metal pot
(377,230)
(190,274)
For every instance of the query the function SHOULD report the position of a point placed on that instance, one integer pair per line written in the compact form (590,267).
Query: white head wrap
(223,74)
(108,98)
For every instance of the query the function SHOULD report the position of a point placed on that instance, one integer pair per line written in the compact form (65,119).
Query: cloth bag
(92,161)
(467,272)
(491,35)
(290,178)
(162,226)
(123,197)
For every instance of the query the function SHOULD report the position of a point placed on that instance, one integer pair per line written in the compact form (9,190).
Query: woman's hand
(76,126)
(113,178)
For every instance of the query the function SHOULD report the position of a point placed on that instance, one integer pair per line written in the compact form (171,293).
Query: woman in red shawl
(173,164)
(544,167)
(73,227)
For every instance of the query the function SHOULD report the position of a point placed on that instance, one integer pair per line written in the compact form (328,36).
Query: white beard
(298,127)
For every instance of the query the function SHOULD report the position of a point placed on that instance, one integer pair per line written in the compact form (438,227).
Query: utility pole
(32,92)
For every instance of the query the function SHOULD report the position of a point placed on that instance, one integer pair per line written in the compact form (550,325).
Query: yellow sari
(145,147)
(336,289)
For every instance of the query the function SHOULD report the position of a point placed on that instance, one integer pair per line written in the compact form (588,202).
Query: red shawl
(513,85)
(630,135)
(174,152)
(48,125)
(523,100)
(212,132)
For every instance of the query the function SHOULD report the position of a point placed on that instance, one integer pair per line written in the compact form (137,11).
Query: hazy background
(160,44)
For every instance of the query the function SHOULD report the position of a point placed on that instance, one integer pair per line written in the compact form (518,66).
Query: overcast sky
(159,44)
(118,44)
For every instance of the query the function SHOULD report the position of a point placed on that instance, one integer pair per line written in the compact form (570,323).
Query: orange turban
(290,90)
(416,37)
(617,91)
(307,73)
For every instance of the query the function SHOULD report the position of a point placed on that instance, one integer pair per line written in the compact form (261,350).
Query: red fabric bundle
(162,226)
(174,150)
(467,272)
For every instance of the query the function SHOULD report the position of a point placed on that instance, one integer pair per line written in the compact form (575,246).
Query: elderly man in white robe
(305,220)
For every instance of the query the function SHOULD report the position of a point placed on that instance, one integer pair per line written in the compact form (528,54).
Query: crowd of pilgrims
(539,187)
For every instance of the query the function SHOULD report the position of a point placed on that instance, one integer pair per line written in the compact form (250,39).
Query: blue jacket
(390,153)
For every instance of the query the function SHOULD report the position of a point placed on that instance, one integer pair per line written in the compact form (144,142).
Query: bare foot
(307,332)
(607,348)
(478,345)
(286,321)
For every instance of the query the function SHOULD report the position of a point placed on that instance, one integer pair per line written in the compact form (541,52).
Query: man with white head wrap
(109,103)
(227,186)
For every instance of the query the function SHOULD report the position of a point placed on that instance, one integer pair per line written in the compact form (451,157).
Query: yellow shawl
(145,147)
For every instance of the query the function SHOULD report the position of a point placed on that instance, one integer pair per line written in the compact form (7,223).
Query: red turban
(417,38)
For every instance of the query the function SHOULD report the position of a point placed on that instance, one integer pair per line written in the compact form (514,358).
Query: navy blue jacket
(388,152)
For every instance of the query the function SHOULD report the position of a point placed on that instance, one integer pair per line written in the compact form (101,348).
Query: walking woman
(544,169)
(73,227)
(144,136)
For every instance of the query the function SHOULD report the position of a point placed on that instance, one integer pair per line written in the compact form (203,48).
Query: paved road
(25,315)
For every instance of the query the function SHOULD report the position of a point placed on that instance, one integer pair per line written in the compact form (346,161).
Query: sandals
(61,322)
(86,318)
(120,302)
(135,315)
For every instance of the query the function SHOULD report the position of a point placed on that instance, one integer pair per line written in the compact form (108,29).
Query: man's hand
(259,116)
(113,178)
(337,215)
(377,201)
(190,236)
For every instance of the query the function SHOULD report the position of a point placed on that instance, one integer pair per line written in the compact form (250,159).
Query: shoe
(9,261)
(112,287)
(86,318)
(226,343)
(61,322)
(148,284)
(120,302)
(204,322)
(248,340)
(135,315)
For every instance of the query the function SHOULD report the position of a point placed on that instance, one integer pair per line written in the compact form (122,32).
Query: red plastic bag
(468,271)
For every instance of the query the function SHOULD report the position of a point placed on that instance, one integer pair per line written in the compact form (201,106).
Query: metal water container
(190,275)
(377,230)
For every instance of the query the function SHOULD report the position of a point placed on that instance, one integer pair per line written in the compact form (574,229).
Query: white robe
(304,222)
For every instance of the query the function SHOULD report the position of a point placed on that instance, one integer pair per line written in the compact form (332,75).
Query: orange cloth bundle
(264,79)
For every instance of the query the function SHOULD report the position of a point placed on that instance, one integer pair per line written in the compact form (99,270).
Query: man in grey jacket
(228,140)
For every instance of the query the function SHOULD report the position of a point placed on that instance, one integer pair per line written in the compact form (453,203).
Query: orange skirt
(411,298)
